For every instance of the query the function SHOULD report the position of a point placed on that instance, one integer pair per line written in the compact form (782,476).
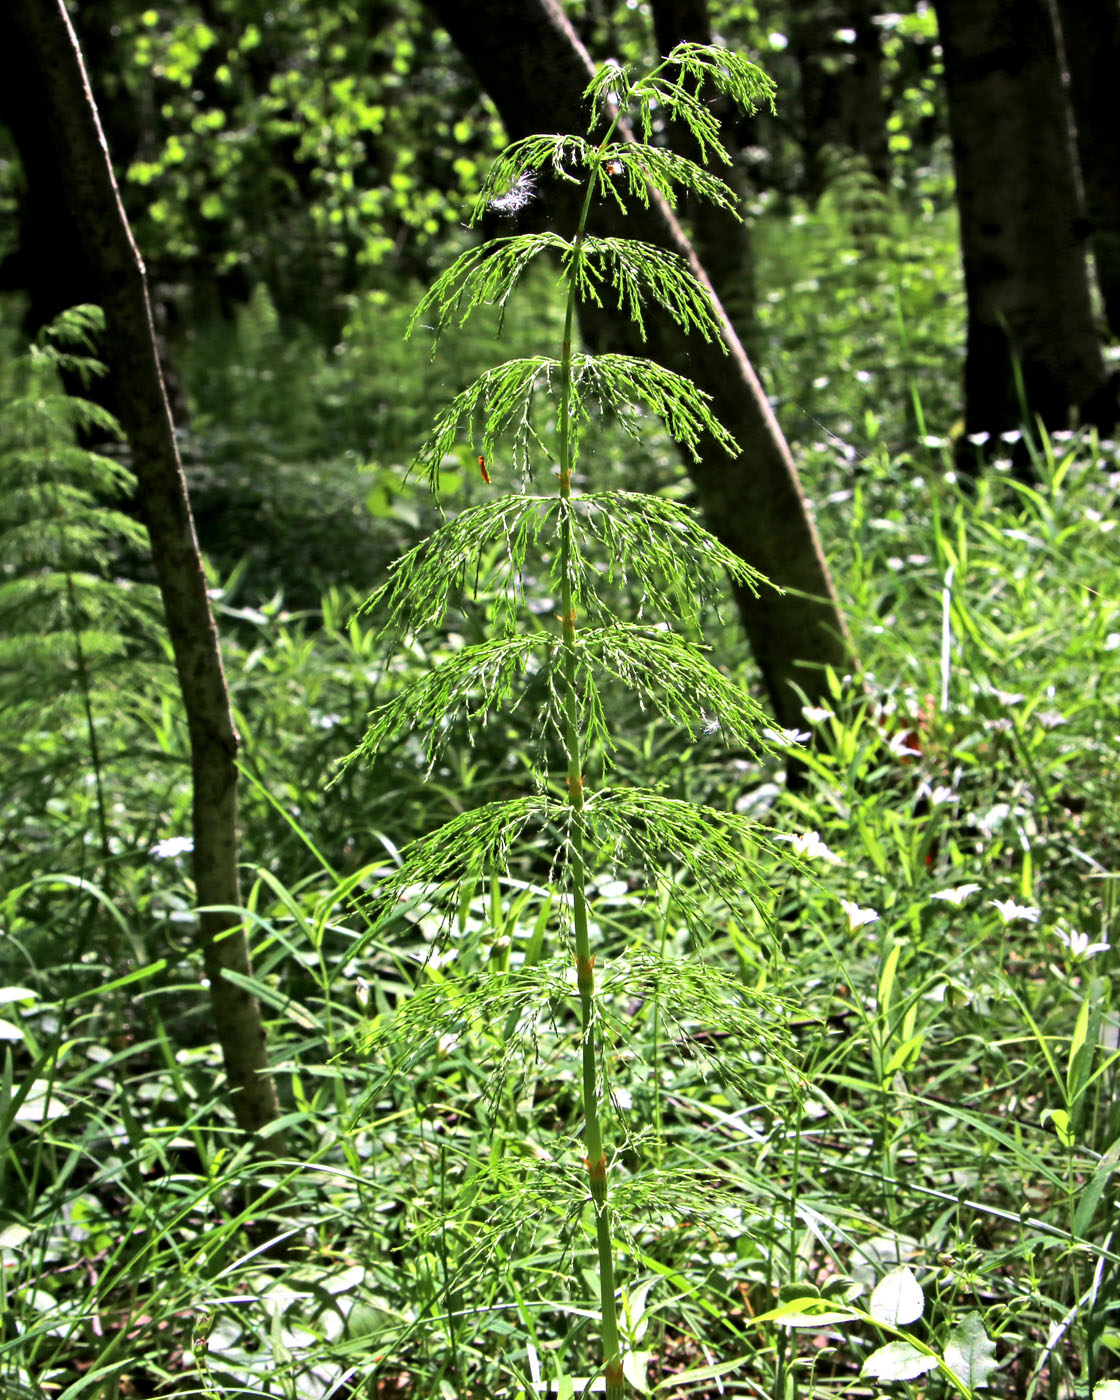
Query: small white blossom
(856,916)
(1078,943)
(957,895)
(1051,719)
(1011,913)
(172,846)
(786,736)
(904,744)
(816,714)
(811,847)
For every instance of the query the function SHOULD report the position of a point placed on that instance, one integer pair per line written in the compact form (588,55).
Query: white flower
(957,895)
(1051,719)
(816,714)
(811,847)
(1010,912)
(1078,943)
(857,917)
(172,846)
(905,744)
(786,736)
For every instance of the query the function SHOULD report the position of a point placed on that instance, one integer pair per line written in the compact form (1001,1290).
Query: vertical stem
(585,962)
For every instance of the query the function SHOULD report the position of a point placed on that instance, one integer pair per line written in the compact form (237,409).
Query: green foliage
(79,644)
(948,936)
(281,146)
(621,828)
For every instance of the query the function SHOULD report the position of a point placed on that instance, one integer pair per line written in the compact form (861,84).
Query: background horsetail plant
(532,413)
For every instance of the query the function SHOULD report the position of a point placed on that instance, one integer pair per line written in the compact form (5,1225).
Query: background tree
(724,249)
(1032,346)
(528,57)
(39,37)
(1091,35)
(835,44)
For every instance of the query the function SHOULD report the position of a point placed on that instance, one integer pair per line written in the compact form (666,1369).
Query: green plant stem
(585,975)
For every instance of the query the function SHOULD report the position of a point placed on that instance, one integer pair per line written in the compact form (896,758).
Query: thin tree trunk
(1026,280)
(526,55)
(835,44)
(722,245)
(72,144)
(1091,33)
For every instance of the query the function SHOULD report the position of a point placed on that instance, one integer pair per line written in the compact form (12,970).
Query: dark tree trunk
(1091,33)
(723,247)
(69,156)
(1029,308)
(530,61)
(835,45)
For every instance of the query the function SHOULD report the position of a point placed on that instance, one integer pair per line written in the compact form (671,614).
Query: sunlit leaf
(898,1298)
(898,1361)
(971,1354)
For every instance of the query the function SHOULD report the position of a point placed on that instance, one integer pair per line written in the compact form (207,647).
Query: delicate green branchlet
(530,414)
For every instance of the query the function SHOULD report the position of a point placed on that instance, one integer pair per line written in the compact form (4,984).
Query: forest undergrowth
(928,1197)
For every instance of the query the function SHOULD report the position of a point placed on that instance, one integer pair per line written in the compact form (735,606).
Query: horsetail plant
(592,541)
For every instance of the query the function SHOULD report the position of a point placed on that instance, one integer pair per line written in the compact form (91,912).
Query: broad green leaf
(720,1368)
(971,1354)
(1080,1032)
(807,1311)
(1060,1119)
(1091,1195)
(898,1298)
(898,1361)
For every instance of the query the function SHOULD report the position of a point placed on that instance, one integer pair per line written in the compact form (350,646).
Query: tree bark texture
(1091,35)
(526,55)
(723,246)
(70,156)
(835,44)
(1026,280)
